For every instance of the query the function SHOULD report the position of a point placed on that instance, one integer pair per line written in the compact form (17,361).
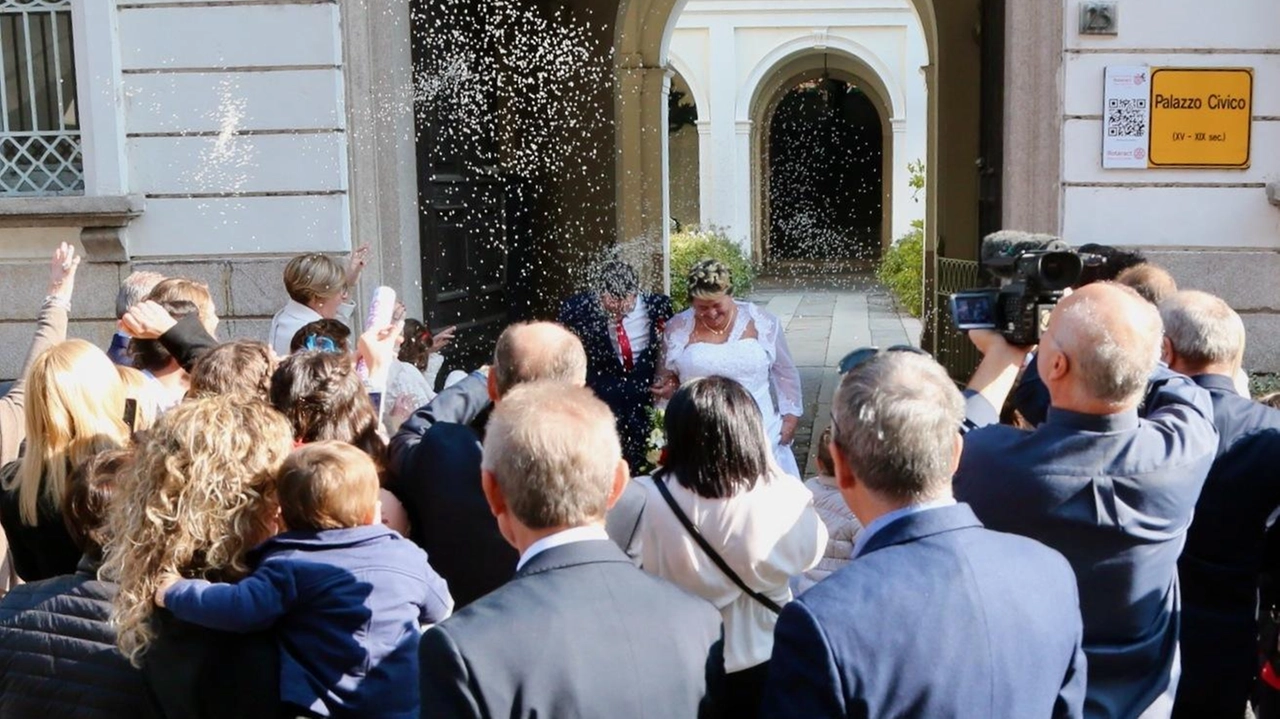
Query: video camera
(1033,271)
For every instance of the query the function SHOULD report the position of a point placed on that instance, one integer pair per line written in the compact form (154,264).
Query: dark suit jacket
(626,393)
(937,617)
(580,632)
(1220,564)
(433,465)
(1115,495)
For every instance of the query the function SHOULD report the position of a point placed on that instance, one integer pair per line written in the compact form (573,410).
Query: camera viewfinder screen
(972,311)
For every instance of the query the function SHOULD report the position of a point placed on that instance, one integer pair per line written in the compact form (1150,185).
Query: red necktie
(624,346)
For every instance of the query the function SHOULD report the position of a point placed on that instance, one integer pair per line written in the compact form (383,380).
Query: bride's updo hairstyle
(709,278)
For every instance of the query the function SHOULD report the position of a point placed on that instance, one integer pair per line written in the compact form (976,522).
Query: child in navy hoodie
(347,597)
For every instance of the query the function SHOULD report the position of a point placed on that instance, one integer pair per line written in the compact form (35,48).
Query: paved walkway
(826,318)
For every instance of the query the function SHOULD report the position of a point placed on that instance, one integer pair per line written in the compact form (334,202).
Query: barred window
(40,151)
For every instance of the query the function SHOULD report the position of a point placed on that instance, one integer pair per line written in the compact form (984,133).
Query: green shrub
(902,269)
(692,245)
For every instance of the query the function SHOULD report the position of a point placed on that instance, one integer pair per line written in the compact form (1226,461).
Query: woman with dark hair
(57,645)
(722,521)
(323,398)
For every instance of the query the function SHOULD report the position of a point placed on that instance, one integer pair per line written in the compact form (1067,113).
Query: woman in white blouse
(759,521)
(719,335)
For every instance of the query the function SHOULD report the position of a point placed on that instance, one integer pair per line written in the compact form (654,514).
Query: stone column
(641,115)
(747,192)
(897,184)
(381,149)
(707,177)
(1032,180)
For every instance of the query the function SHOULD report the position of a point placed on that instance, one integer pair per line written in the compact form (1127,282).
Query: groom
(621,330)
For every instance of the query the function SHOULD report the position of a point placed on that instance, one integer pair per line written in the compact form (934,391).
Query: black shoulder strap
(661,484)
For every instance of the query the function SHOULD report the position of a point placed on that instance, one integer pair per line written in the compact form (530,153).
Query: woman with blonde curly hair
(75,405)
(199,496)
(719,335)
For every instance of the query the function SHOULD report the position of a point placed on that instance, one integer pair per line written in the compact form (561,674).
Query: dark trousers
(743,690)
(1219,665)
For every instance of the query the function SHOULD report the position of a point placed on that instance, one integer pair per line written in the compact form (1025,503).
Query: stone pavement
(825,318)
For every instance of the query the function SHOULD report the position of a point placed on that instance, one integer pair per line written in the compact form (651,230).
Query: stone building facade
(216,139)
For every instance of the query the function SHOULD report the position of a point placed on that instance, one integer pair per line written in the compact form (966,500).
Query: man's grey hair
(1114,349)
(535,351)
(897,417)
(135,289)
(554,451)
(1202,328)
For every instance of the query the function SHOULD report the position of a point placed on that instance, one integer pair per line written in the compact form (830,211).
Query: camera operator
(1204,339)
(1112,491)
(1152,283)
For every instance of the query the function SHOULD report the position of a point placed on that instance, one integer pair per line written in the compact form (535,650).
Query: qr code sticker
(1127,117)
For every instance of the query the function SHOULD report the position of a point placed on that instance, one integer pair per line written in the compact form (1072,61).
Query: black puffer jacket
(58,655)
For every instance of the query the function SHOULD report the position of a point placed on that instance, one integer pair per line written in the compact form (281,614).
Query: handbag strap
(661,484)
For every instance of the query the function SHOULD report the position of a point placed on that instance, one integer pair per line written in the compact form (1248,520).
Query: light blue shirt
(885,520)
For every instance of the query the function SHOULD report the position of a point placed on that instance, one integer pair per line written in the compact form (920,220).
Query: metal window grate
(955,351)
(40,151)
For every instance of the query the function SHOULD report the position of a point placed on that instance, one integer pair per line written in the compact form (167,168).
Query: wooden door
(462,203)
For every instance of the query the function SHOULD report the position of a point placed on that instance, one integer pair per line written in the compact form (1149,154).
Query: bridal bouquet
(655,446)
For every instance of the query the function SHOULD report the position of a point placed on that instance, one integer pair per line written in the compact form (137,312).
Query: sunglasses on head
(863,355)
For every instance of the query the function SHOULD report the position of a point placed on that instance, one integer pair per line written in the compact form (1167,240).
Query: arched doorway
(824,174)
(683,161)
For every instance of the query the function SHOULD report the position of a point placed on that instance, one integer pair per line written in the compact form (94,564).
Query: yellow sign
(1201,117)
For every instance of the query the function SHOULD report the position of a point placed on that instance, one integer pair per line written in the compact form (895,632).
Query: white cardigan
(766,535)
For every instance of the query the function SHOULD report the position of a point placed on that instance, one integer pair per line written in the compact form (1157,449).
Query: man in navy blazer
(434,460)
(935,616)
(1221,562)
(580,631)
(621,329)
(1111,488)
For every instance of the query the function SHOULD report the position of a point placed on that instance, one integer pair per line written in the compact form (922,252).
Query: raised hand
(147,321)
(355,265)
(62,271)
(441,339)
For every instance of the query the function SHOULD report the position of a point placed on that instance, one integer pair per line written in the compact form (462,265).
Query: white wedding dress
(760,364)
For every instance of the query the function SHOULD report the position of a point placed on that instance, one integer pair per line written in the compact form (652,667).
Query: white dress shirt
(636,323)
(559,539)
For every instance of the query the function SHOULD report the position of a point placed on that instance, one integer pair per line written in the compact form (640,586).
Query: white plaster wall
(725,50)
(1172,208)
(235,128)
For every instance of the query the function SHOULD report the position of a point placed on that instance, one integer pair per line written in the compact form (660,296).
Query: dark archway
(825,174)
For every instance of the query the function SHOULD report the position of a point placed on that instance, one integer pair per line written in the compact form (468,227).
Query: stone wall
(1246,279)
(247,293)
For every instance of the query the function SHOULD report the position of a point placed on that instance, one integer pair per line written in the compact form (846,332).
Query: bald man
(434,459)
(1110,488)
(1219,568)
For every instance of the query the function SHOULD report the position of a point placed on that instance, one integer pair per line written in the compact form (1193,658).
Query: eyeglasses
(861,356)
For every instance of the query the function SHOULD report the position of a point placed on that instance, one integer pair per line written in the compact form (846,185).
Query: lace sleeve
(679,330)
(782,372)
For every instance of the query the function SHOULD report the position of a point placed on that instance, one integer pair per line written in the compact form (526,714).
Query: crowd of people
(317,525)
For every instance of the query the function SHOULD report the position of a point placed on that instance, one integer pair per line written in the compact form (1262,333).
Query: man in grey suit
(579,631)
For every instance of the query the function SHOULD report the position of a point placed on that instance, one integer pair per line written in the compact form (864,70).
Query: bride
(719,335)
